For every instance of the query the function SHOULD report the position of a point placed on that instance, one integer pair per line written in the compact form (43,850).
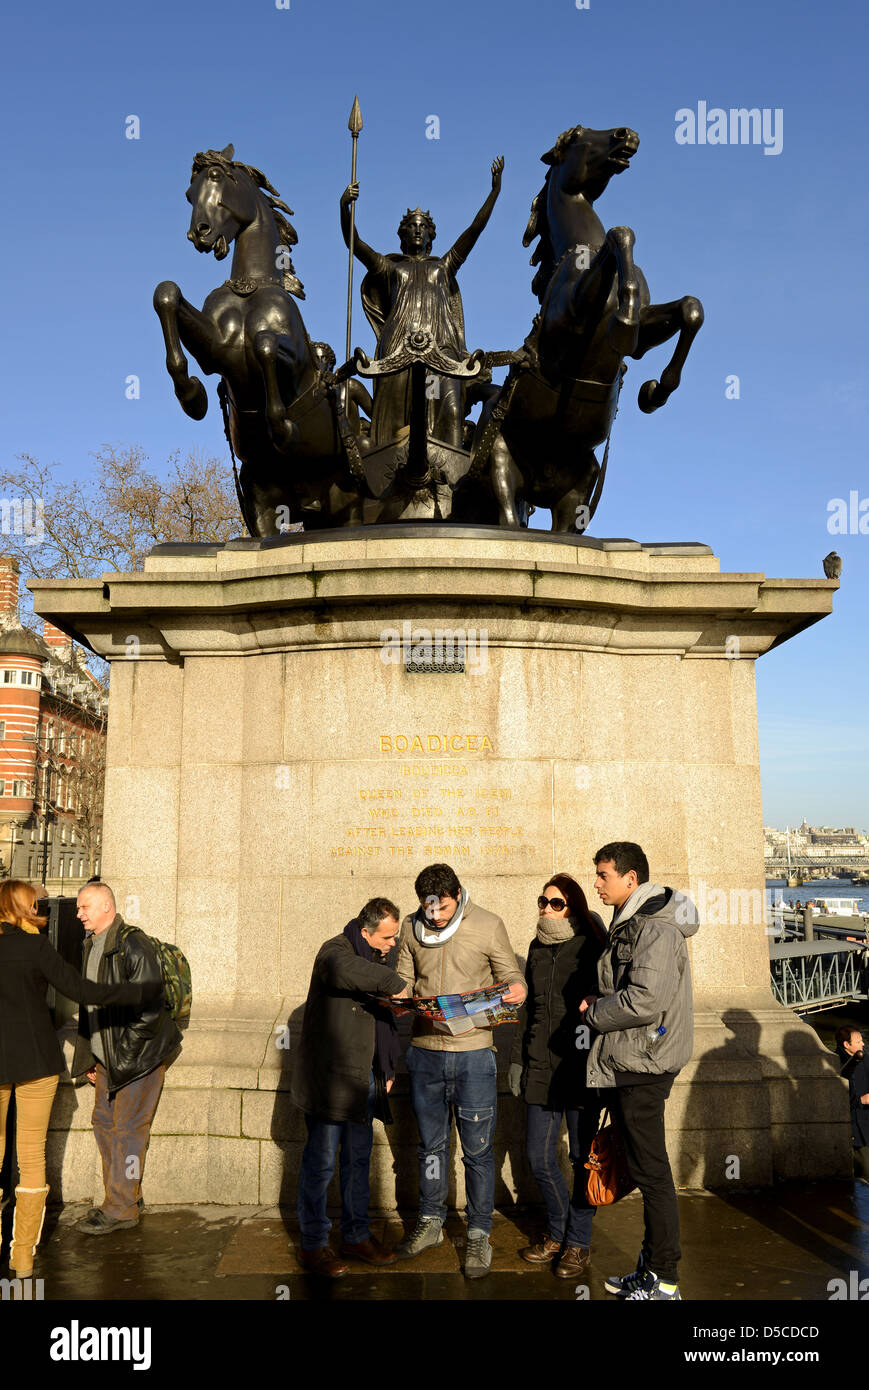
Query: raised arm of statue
(371,259)
(464,244)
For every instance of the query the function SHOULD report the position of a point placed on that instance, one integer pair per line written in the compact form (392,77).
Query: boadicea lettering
(436,743)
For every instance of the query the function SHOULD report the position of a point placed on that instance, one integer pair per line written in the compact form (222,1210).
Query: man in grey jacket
(644,1023)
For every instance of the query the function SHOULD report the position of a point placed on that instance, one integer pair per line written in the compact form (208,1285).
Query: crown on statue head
(418,212)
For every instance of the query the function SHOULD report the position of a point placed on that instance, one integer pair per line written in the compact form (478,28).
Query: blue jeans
(569,1218)
(318,1165)
(463,1084)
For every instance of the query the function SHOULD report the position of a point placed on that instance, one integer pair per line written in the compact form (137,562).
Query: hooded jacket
(644,982)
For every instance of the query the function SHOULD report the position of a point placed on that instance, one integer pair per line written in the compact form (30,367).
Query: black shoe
(96,1223)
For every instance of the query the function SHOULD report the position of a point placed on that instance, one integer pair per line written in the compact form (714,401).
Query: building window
(8,677)
(2,788)
(27,677)
(63,834)
(61,743)
(2,728)
(19,789)
(81,868)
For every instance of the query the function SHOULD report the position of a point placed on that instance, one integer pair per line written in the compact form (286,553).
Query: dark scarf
(385,1027)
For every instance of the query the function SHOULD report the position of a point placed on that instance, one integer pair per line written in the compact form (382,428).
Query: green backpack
(175,969)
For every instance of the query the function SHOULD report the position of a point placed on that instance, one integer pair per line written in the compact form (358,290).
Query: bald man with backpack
(124,1053)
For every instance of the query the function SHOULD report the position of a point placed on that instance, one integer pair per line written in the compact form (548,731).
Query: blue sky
(774,246)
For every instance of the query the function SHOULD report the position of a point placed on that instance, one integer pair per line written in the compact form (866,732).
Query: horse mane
(538,222)
(286,231)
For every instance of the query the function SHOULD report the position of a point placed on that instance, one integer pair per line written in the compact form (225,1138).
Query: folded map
(459,1013)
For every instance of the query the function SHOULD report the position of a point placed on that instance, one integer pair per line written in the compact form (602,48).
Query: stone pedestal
(290,734)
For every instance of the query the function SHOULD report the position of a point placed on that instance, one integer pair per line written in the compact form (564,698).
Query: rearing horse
(282,422)
(535,440)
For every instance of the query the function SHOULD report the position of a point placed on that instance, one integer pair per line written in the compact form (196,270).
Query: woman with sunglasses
(31,1059)
(548,1065)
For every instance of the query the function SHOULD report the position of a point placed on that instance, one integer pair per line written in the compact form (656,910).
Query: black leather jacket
(135,1041)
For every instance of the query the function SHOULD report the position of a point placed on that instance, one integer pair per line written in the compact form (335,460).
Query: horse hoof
(194,399)
(646,397)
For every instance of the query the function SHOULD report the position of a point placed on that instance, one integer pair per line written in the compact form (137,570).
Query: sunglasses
(556,903)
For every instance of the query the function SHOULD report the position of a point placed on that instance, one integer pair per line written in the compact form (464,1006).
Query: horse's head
(581,164)
(223,199)
(586,160)
(227,196)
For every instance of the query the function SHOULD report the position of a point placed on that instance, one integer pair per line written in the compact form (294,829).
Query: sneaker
(96,1223)
(478,1255)
(427,1232)
(622,1285)
(651,1288)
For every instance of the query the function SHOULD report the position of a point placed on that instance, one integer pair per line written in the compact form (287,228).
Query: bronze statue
(298,425)
(282,420)
(414,290)
(535,440)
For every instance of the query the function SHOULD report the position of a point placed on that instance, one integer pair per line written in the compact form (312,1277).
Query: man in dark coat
(849,1044)
(344,1069)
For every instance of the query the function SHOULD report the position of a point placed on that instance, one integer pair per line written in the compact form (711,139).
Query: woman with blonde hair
(31,1059)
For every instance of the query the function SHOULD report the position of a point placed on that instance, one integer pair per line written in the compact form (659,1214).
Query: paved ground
(786,1243)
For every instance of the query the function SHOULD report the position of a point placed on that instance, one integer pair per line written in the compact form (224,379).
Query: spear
(354,125)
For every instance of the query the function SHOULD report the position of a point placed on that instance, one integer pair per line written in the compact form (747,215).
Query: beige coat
(477,955)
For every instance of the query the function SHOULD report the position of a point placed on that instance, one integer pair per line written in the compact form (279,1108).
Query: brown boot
(573,1262)
(542,1254)
(323,1262)
(371,1251)
(26,1228)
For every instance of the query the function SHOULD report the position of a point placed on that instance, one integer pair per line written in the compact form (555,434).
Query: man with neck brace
(451,946)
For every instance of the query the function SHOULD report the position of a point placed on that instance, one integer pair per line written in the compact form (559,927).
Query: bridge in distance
(840,867)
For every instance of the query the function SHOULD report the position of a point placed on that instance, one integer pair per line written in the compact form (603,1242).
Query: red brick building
(52,751)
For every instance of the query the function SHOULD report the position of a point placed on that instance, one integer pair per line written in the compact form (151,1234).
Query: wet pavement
(788,1243)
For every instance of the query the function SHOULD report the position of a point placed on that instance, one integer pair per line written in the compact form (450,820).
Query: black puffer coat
(558,978)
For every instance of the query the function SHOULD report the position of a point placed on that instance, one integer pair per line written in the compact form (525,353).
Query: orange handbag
(608,1177)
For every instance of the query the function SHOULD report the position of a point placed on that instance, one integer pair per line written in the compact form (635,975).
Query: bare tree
(87,788)
(63,528)
(109,521)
